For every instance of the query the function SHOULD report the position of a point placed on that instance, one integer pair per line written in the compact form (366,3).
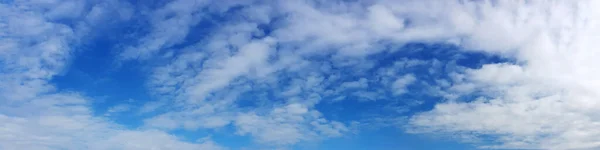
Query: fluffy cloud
(546,98)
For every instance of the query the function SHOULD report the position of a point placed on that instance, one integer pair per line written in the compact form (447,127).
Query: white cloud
(360,83)
(152,139)
(220,74)
(399,86)
(190,120)
(550,41)
(27,71)
(150,107)
(64,121)
(33,114)
(170,25)
(231,61)
(117,109)
(288,125)
(546,98)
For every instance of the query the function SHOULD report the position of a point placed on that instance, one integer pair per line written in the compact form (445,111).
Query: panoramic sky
(299,74)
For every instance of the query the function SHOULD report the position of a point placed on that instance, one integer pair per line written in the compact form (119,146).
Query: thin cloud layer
(494,74)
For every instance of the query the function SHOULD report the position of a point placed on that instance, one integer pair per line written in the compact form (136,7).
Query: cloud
(34,114)
(361,83)
(264,69)
(170,25)
(399,86)
(64,121)
(545,46)
(152,139)
(117,109)
(24,74)
(207,80)
(545,99)
(288,125)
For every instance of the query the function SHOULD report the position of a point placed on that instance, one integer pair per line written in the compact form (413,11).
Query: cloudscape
(299,74)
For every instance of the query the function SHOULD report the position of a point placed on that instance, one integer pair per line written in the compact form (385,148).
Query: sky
(299,74)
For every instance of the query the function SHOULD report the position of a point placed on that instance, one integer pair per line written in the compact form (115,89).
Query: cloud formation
(497,74)
(34,115)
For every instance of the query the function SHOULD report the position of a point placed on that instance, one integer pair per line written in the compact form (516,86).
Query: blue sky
(298,74)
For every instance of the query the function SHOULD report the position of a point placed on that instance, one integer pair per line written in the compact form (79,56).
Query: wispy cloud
(34,47)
